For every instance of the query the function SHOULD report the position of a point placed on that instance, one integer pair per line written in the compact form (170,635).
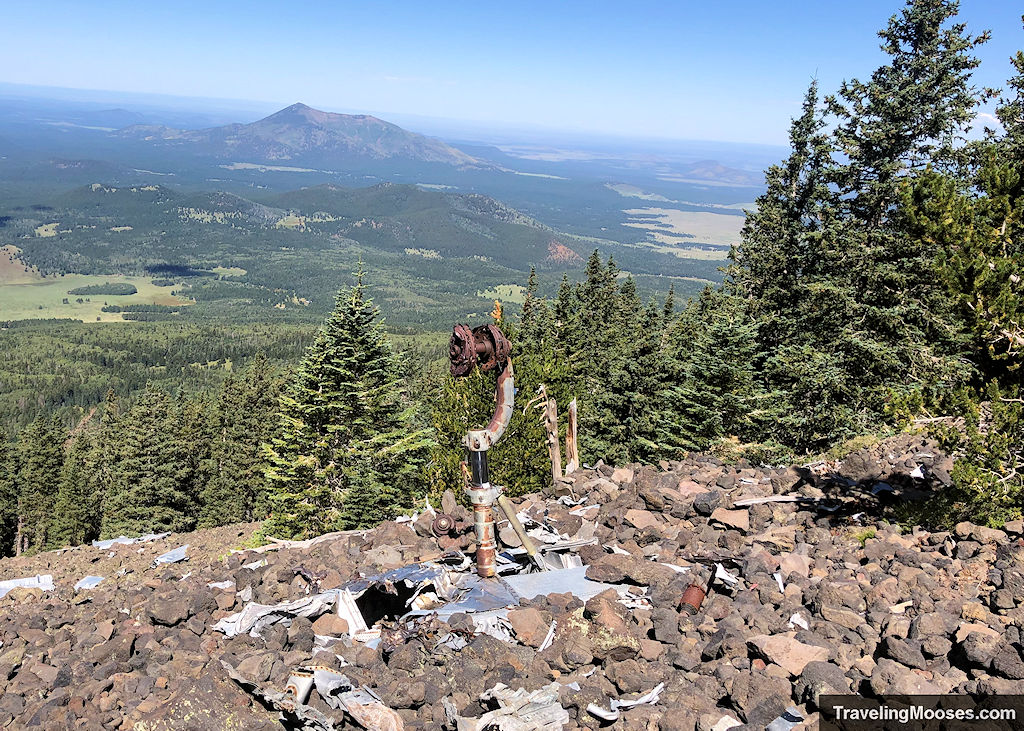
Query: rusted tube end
(486,545)
(693,597)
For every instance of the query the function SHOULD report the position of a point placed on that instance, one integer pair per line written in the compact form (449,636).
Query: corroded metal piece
(692,598)
(485,346)
(486,545)
(442,525)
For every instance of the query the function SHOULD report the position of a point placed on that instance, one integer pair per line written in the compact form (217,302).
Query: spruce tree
(40,459)
(243,421)
(151,475)
(713,390)
(346,453)
(913,112)
(1010,111)
(8,496)
(76,515)
(785,239)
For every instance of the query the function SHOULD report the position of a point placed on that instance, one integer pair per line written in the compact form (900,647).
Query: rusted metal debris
(692,598)
(488,348)
(442,525)
(484,346)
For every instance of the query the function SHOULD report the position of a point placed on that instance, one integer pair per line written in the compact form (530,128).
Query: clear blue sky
(730,70)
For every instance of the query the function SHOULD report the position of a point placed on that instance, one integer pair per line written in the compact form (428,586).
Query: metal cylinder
(479,474)
(486,545)
(693,597)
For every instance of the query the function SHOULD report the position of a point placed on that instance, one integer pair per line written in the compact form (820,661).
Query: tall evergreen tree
(1010,110)
(711,350)
(76,514)
(913,112)
(8,496)
(345,454)
(40,460)
(785,252)
(152,474)
(243,421)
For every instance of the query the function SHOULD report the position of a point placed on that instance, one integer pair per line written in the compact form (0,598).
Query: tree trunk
(554,448)
(572,450)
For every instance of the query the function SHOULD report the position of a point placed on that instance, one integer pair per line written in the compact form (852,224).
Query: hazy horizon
(732,73)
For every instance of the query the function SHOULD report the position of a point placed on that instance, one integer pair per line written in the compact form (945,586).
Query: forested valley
(877,288)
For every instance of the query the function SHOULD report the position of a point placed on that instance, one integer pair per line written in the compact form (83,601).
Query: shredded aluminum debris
(40,581)
(518,710)
(173,556)
(797,621)
(88,582)
(254,618)
(615,705)
(722,575)
(790,718)
(125,540)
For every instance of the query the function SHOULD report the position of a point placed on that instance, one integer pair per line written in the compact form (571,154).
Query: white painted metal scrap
(615,705)
(40,581)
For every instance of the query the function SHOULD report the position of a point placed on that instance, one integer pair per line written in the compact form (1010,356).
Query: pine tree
(151,475)
(243,421)
(40,458)
(1010,110)
(912,113)
(713,389)
(785,239)
(8,496)
(346,454)
(978,235)
(197,428)
(76,515)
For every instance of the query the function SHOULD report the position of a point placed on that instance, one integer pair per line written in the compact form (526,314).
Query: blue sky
(731,70)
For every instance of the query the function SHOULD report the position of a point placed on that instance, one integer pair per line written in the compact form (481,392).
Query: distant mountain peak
(299,111)
(300,132)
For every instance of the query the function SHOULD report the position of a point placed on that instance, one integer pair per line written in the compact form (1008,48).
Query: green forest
(877,288)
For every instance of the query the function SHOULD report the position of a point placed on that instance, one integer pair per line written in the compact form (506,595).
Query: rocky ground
(815,593)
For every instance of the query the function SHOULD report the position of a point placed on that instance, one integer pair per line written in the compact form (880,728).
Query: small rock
(738,519)
(787,652)
(331,625)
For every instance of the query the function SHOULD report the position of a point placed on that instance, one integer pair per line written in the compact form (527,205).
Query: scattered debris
(392,628)
(174,556)
(88,582)
(789,718)
(256,617)
(125,540)
(615,705)
(518,710)
(43,582)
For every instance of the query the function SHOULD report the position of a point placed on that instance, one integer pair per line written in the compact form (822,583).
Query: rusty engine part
(442,525)
(487,347)
(484,346)
(692,598)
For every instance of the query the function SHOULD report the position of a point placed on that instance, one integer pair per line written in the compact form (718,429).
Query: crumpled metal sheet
(39,581)
(254,618)
(361,704)
(573,580)
(302,716)
(172,556)
(125,540)
(519,710)
(88,582)
(415,576)
(615,705)
(789,718)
